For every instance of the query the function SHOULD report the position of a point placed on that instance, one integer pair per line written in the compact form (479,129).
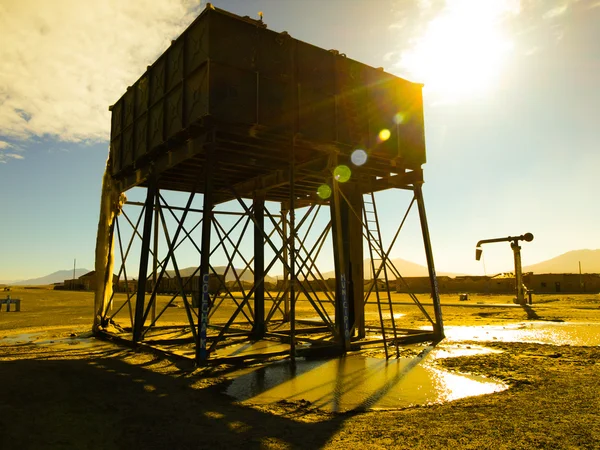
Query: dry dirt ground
(61,390)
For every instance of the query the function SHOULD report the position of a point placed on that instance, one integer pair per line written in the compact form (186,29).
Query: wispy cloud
(9,151)
(555,12)
(6,156)
(65,61)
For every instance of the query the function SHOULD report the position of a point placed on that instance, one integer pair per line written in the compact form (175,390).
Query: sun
(462,51)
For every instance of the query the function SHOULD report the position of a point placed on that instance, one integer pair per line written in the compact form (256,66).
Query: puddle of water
(22,338)
(260,347)
(456,350)
(356,382)
(555,333)
(386,314)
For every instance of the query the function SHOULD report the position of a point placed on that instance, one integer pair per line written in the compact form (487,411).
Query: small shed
(87,282)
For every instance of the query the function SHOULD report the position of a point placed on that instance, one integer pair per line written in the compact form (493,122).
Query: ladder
(378,267)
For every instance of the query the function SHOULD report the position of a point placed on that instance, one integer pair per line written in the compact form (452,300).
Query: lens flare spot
(384,135)
(399,118)
(358,157)
(342,173)
(324,191)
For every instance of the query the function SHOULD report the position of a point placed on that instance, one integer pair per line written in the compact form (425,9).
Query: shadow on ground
(106,402)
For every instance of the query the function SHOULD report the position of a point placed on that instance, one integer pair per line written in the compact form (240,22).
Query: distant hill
(406,269)
(56,277)
(247,276)
(569,263)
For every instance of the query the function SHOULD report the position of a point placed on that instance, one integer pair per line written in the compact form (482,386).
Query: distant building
(86,282)
(563,282)
(504,283)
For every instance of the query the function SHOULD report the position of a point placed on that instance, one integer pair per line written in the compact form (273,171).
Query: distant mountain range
(56,277)
(406,269)
(246,276)
(565,263)
(569,263)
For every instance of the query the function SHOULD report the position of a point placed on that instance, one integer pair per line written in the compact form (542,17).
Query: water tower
(285,145)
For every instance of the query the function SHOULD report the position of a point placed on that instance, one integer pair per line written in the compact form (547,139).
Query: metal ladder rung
(378,265)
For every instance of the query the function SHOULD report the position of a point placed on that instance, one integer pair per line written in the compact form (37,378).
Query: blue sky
(512,114)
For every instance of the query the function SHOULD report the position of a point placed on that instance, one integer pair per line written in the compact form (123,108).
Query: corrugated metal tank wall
(237,72)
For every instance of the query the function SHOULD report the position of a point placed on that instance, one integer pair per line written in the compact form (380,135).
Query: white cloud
(6,156)
(555,12)
(9,151)
(65,61)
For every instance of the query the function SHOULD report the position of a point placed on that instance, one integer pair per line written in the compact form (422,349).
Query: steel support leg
(437,309)
(286,272)
(258,330)
(201,352)
(138,323)
(355,259)
(339,221)
(155,260)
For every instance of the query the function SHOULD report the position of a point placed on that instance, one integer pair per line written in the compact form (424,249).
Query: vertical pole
(138,324)
(286,273)
(201,353)
(340,247)
(155,262)
(293,121)
(258,330)
(355,256)
(437,308)
(74,264)
(518,273)
(292,243)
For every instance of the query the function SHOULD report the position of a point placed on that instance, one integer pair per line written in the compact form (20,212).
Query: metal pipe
(516,248)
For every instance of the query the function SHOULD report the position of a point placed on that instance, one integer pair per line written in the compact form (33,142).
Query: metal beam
(258,330)
(138,324)
(201,353)
(437,309)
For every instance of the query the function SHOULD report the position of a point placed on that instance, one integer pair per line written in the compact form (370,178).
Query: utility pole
(74,264)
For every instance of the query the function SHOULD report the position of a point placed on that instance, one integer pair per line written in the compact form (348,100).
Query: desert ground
(62,389)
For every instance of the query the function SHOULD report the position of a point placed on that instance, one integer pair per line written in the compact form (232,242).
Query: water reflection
(357,383)
(555,333)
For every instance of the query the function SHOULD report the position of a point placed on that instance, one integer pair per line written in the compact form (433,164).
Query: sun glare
(463,50)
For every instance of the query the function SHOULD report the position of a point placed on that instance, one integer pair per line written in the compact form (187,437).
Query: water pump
(516,248)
